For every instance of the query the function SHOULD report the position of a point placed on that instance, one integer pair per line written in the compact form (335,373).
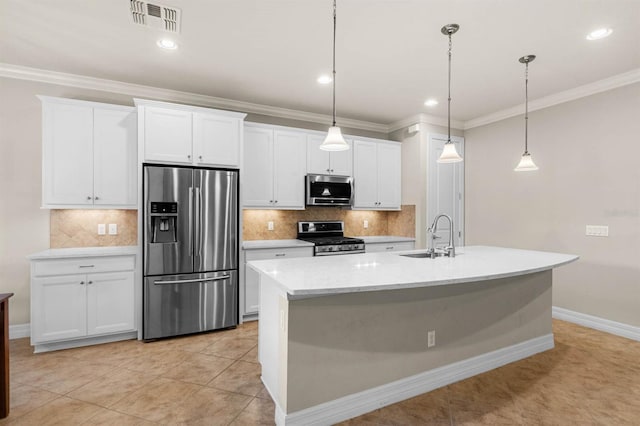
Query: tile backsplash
(398,223)
(79,228)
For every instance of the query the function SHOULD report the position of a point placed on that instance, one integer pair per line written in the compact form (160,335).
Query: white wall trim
(149,92)
(423,119)
(19,331)
(597,323)
(610,83)
(363,402)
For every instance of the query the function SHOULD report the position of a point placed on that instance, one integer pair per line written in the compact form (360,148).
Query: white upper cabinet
(88,154)
(167,135)
(325,162)
(377,175)
(273,167)
(183,134)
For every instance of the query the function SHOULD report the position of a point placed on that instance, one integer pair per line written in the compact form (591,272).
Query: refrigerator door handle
(198,280)
(190,222)
(199,220)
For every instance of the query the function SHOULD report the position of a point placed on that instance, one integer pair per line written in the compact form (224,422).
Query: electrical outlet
(365,224)
(597,230)
(101,229)
(431,338)
(270,225)
(113,229)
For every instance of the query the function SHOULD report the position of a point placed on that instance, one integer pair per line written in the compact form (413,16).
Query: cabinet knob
(88,197)
(189,157)
(90,282)
(327,169)
(275,201)
(271,201)
(96,198)
(200,157)
(81,282)
(331,170)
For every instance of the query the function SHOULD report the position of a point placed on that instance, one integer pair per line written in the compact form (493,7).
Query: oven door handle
(199,280)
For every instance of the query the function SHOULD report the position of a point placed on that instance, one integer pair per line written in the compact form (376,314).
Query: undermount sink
(417,255)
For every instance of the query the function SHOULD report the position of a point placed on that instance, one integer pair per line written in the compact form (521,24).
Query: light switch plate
(365,224)
(270,225)
(101,229)
(597,230)
(113,229)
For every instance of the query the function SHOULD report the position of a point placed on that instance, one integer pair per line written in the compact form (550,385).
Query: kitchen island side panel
(346,343)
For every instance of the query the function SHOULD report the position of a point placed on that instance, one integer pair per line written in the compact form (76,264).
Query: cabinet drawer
(397,246)
(83,265)
(282,253)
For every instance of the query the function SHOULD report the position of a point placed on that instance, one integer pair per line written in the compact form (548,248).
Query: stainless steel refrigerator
(190,250)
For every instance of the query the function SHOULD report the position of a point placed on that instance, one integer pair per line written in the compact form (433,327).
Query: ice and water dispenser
(164,219)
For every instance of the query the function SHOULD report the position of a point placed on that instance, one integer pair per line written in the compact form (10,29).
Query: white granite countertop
(267,244)
(385,239)
(58,253)
(316,276)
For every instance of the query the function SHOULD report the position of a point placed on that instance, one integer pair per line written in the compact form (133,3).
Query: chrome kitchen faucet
(450,250)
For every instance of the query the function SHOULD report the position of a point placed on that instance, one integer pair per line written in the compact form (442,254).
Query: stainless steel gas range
(328,238)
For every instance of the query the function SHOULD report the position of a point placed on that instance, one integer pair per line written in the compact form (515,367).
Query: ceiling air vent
(155,15)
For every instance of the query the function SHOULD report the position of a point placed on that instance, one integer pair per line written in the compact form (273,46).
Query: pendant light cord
(449,99)
(334,63)
(526,107)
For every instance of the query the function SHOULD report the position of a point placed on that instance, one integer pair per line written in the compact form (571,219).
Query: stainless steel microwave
(328,190)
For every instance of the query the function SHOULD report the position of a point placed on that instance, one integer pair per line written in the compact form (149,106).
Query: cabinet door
(114,157)
(317,159)
(67,153)
(389,179)
(59,307)
(365,174)
(167,135)
(251,291)
(342,161)
(110,302)
(289,168)
(257,180)
(216,140)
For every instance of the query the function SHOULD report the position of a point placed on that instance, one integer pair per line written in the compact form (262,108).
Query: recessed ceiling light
(431,102)
(599,33)
(325,79)
(165,43)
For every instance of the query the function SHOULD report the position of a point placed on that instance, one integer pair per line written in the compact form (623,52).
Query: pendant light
(526,163)
(334,140)
(449,153)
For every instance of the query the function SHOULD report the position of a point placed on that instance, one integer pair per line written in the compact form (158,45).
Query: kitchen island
(343,335)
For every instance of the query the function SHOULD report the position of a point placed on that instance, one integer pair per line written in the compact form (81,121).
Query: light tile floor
(590,378)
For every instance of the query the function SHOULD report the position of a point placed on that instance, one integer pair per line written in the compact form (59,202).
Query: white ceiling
(391,55)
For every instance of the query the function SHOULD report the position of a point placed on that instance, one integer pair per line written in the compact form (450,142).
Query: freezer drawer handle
(220,278)
(86,266)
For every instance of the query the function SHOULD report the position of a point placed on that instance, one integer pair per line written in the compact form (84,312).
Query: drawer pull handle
(87,266)
(390,248)
(281,254)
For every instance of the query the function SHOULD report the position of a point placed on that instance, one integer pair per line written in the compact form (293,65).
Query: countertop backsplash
(399,223)
(79,228)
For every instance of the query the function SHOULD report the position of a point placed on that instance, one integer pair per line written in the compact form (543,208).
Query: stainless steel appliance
(328,238)
(190,250)
(328,190)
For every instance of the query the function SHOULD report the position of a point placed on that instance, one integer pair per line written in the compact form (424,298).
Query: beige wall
(343,344)
(24,227)
(415,152)
(587,151)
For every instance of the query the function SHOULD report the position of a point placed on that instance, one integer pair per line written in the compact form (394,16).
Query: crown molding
(423,119)
(610,83)
(141,91)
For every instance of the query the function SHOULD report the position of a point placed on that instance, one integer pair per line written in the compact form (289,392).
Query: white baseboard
(608,326)
(19,331)
(363,402)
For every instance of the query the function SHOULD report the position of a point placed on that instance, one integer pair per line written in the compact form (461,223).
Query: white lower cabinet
(70,303)
(252,278)
(393,246)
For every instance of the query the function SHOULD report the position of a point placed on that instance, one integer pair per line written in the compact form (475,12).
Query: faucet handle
(435,237)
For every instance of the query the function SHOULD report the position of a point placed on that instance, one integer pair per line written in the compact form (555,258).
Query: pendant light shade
(334,140)
(449,153)
(526,163)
